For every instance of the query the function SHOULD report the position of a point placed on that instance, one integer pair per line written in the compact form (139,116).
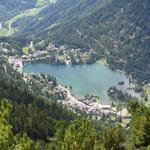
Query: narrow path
(26,13)
(9,28)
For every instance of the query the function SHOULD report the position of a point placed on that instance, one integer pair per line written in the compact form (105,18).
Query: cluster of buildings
(37,55)
(92,106)
(69,55)
(16,63)
(97,110)
(57,54)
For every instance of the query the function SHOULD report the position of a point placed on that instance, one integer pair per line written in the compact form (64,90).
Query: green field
(4,32)
(25,50)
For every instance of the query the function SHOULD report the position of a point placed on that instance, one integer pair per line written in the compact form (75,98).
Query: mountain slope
(13,11)
(57,15)
(117,30)
(120,30)
(9,8)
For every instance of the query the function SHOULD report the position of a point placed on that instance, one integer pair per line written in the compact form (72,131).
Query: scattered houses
(16,63)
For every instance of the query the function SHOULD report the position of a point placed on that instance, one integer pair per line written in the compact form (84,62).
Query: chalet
(1,25)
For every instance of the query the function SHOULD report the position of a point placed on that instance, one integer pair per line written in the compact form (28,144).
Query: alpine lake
(85,79)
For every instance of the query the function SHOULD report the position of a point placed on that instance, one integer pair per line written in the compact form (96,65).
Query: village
(90,105)
(52,54)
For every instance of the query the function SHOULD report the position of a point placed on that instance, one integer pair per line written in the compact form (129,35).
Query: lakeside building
(1,25)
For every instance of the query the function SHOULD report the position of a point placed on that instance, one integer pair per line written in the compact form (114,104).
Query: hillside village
(47,86)
(52,55)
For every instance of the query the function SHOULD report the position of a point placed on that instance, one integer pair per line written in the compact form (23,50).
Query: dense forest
(77,134)
(10,8)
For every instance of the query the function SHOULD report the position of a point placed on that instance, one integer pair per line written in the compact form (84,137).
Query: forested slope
(30,114)
(9,8)
(120,31)
(117,30)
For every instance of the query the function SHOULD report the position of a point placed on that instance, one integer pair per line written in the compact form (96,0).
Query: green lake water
(92,79)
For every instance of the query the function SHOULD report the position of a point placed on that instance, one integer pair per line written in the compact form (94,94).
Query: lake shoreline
(22,65)
(83,70)
(89,105)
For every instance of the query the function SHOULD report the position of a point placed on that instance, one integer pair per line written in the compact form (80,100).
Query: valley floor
(90,105)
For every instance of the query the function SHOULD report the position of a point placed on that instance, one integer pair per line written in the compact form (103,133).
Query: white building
(1,25)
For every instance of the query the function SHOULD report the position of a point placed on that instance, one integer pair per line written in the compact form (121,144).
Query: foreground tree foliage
(79,134)
(9,141)
(139,133)
(30,114)
(113,138)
